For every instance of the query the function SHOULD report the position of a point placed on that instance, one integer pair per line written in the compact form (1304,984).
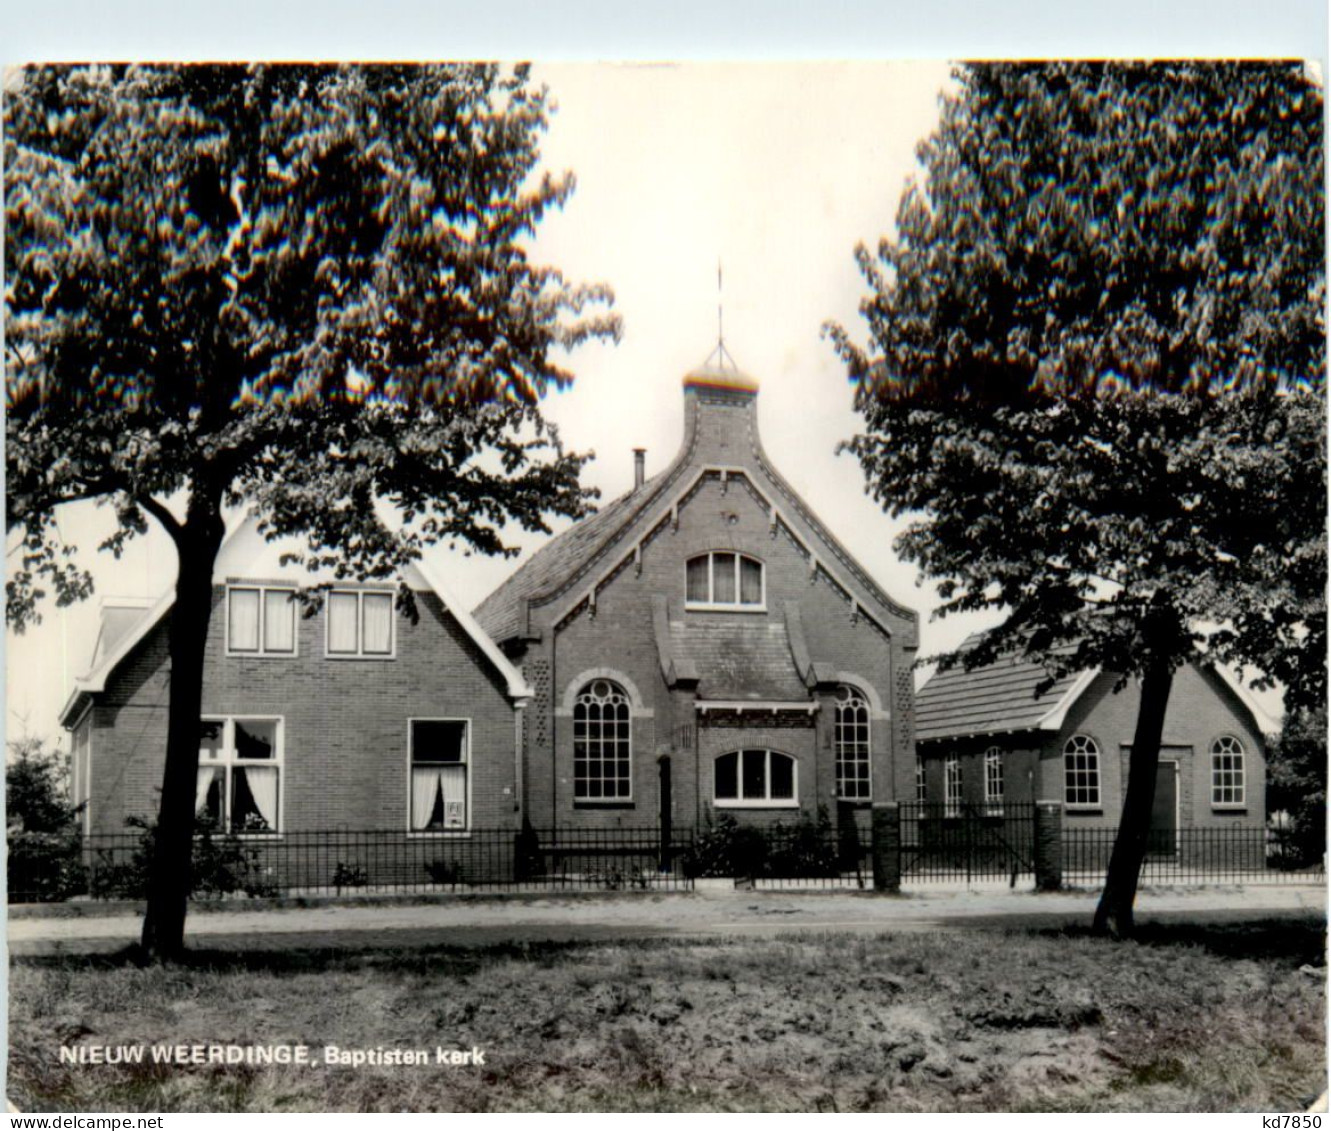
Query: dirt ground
(716,908)
(1225,1012)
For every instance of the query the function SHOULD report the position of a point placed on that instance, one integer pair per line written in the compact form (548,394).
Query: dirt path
(714,909)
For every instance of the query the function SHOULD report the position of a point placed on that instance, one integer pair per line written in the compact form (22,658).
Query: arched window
(602,742)
(760,778)
(852,744)
(1081,772)
(993,780)
(724,580)
(1227,786)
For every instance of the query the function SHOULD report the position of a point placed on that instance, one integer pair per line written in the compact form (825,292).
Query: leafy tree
(304,287)
(1296,770)
(41,825)
(1096,378)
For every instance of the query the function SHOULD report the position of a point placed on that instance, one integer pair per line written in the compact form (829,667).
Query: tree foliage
(1096,369)
(304,288)
(297,286)
(1097,361)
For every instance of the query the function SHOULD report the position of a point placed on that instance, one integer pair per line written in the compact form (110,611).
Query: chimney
(639,467)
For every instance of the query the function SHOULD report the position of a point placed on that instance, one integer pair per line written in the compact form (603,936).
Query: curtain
(453,786)
(696,585)
(750,582)
(202,781)
(426,790)
(723,579)
(262,781)
(342,623)
(279,621)
(377,609)
(243,620)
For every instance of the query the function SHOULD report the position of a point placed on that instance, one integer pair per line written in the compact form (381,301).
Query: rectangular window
(360,624)
(921,781)
(240,770)
(261,620)
(440,755)
(952,788)
(993,780)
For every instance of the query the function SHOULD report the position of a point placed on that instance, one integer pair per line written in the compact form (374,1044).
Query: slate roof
(501,614)
(996,699)
(739,658)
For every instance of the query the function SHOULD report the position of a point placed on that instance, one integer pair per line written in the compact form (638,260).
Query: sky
(771,172)
(773,169)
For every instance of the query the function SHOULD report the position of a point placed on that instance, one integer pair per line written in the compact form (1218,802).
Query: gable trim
(669,512)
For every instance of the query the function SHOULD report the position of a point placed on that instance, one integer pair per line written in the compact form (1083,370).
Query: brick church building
(704,645)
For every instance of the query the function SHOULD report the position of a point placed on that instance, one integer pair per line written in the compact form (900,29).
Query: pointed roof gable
(581,555)
(1000,698)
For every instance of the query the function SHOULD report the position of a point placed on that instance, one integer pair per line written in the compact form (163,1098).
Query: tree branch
(169,521)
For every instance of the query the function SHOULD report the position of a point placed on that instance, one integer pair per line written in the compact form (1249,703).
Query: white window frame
(467,763)
(735,606)
(587,689)
(768,801)
(1238,771)
(993,775)
(952,786)
(1087,748)
(848,750)
(360,653)
(229,760)
(921,781)
(263,589)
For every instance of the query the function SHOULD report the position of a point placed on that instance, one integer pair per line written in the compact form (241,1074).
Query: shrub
(222,865)
(45,844)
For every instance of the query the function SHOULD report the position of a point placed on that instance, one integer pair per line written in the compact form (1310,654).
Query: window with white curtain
(240,774)
(440,756)
(724,580)
(261,620)
(360,623)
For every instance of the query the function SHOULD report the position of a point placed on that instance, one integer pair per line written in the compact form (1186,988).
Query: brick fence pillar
(886,832)
(1048,845)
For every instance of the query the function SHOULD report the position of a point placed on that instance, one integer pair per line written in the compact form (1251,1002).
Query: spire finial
(721,355)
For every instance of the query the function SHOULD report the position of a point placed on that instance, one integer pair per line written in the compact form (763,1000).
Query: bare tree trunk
(1113,916)
(170,874)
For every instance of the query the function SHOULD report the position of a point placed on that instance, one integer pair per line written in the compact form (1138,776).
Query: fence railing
(1237,855)
(115,866)
(931,844)
(967,842)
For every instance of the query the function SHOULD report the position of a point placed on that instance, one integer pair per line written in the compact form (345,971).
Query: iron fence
(1222,855)
(967,842)
(342,862)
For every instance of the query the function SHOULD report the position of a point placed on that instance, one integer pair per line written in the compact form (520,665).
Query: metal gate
(966,842)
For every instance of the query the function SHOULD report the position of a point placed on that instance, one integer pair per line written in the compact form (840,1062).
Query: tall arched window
(851,739)
(1081,772)
(602,743)
(1227,787)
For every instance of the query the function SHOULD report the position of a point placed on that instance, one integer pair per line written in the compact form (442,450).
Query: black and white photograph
(647,586)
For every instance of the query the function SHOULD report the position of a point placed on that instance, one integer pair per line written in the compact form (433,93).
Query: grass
(1196,1018)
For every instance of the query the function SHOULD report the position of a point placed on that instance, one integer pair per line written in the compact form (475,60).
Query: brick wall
(617,638)
(345,722)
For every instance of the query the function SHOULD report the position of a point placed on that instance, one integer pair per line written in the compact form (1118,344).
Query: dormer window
(724,580)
